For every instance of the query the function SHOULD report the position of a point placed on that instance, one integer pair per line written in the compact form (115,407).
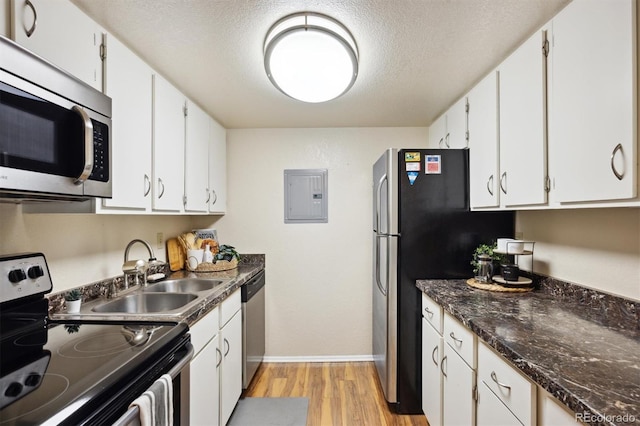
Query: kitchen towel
(156,404)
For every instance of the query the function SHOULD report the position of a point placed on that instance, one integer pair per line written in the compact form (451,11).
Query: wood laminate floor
(340,394)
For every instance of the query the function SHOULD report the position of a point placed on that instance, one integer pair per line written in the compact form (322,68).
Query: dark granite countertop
(95,294)
(582,347)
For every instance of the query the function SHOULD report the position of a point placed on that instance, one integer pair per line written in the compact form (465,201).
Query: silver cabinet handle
(440,143)
(226,342)
(147,185)
(446,141)
(503,181)
(161,186)
(88,145)
(433,355)
(31,30)
(613,166)
(208,195)
(442,366)
(490,185)
(430,313)
(495,379)
(219,360)
(215,196)
(453,336)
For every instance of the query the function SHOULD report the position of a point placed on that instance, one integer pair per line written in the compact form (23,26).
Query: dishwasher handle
(253,286)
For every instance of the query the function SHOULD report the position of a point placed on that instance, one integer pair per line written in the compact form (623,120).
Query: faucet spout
(152,256)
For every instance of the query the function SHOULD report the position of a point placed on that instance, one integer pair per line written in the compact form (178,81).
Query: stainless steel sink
(142,303)
(191,285)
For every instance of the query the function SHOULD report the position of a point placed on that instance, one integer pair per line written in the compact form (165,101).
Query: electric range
(72,372)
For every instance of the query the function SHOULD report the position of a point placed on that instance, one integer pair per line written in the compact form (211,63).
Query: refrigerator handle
(378,206)
(379,284)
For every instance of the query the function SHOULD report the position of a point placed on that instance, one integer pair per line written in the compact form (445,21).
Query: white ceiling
(417,57)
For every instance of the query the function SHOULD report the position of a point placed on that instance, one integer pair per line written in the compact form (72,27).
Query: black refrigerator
(422,229)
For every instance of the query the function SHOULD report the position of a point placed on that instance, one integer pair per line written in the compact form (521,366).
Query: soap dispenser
(208,256)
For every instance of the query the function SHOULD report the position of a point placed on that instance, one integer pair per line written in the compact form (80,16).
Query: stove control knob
(33,379)
(13,390)
(35,272)
(17,275)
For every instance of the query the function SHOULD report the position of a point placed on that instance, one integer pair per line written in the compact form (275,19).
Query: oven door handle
(133,413)
(88,145)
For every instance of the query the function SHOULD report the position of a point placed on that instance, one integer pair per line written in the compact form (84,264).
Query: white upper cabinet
(196,172)
(61,33)
(168,146)
(128,82)
(523,143)
(593,115)
(450,129)
(483,143)
(217,169)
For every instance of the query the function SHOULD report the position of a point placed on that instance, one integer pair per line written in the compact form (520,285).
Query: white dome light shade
(310,57)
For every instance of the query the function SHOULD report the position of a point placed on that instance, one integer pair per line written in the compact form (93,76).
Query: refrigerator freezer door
(384,273)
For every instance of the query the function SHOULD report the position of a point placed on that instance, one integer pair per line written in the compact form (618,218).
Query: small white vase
(73,306)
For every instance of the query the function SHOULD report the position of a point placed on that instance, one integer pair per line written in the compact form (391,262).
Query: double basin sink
(166,297)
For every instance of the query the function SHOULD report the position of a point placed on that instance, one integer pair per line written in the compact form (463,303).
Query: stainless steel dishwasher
(253,327)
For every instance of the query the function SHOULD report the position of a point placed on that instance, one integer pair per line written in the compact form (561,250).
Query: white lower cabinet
(431,375)
(216,369)
(204,397)
(492,412)
(459,405)
(204,389)
(231,348)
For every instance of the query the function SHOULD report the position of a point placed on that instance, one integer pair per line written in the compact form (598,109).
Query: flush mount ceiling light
(310,57)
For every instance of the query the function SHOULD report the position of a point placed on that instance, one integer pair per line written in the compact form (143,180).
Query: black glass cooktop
(51,372)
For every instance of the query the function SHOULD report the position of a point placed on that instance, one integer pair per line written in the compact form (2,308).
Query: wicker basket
(220,265)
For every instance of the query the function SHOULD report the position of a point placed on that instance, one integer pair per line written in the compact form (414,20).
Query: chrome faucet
(137,267)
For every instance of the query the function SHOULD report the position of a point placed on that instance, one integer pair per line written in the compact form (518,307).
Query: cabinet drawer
(229,307)
(508,384)
(432,312)
(204,330)
(460,338)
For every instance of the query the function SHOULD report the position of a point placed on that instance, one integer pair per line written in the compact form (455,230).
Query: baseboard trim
(320,358)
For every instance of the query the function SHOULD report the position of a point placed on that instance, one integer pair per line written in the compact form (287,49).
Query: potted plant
(73,300)
(489,250)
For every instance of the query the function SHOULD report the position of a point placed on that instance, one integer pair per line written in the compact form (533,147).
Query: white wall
(597,248)
(318,275)
(83,248)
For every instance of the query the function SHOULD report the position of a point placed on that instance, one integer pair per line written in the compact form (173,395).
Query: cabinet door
(431,375)
(593,109)
(483,143)
(492,412)
(437,132)
(523,145)
(218,168)
(204,395)
(231,373)
(128,81)
(62,34)
(168,146)
(456,136)
(459,406)
(196,172)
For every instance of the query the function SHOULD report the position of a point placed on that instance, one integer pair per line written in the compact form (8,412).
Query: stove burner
(56,385)
(35,338)
(104,344)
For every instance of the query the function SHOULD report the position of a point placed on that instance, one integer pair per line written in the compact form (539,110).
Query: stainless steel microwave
(55,138)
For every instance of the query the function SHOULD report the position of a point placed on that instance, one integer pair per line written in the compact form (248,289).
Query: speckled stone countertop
(95,294)
(580,345)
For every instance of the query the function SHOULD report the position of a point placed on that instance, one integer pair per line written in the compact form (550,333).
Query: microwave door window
(39,136)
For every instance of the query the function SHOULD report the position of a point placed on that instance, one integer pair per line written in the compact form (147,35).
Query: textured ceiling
(416,56)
